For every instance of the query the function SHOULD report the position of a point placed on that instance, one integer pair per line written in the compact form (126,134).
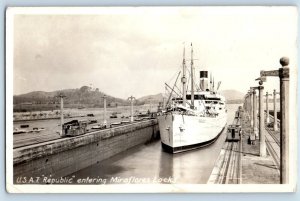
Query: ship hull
(182,132)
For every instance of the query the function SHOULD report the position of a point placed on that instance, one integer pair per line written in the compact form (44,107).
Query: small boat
(113,115)
(36,130)
(125,122)
(24,126)
(115,124)
(147,114)
(93,121)
(99,126)
(19,131)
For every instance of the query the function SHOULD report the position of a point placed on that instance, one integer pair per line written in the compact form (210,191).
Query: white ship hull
(193,118)
(184,132)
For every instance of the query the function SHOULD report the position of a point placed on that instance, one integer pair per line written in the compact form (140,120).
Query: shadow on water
(137,163)
(108,167)
(166,166)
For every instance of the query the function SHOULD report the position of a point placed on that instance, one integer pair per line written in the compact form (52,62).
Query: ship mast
(183,79)
(213,84)
(192,78)
(210,82)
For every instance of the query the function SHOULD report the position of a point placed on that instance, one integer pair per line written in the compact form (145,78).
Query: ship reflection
(166,167)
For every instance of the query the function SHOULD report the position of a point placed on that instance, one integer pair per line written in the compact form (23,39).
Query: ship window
(209,98)
(196,97)
(176,98)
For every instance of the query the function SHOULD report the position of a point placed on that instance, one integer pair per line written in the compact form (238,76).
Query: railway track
(228,170)
(271,131)
(274,152)
(273,144)
(232,168)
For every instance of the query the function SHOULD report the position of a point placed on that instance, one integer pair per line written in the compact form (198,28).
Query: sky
(134,51)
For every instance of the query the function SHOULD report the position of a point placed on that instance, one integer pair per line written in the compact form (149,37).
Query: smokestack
(203,80)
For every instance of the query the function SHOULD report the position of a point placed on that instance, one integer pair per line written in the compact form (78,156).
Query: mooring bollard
(131,98)
(284,75)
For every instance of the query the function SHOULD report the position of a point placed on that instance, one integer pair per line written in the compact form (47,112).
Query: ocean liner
(194,117)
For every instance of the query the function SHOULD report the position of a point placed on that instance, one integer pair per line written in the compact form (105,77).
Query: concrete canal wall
(64,156)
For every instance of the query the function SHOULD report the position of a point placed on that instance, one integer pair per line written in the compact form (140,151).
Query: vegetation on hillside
(74,98)
(86,96)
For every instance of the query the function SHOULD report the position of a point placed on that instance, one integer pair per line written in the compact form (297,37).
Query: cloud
(135,53)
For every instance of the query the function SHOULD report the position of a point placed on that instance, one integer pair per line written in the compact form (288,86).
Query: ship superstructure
(195,117)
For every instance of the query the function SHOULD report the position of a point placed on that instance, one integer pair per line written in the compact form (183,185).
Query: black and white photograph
(171,99)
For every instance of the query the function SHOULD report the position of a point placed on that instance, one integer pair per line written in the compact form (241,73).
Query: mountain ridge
(88,97)
(79,97)
(230,95)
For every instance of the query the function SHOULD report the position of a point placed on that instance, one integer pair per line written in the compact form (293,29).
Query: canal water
(149,164)
(52,126)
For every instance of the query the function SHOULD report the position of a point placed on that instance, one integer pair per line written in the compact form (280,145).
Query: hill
(81,97)
(151,98)
(88,97)
(232,94)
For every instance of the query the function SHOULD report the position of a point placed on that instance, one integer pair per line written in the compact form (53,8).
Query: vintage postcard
(151,99)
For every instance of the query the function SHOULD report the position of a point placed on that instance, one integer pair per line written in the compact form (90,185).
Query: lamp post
(275,110)
(284,77)
(254,112)
(104,106)
(267,107)
(61,96)
(262,139)
(131,98)
(251,108)
(251,111)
